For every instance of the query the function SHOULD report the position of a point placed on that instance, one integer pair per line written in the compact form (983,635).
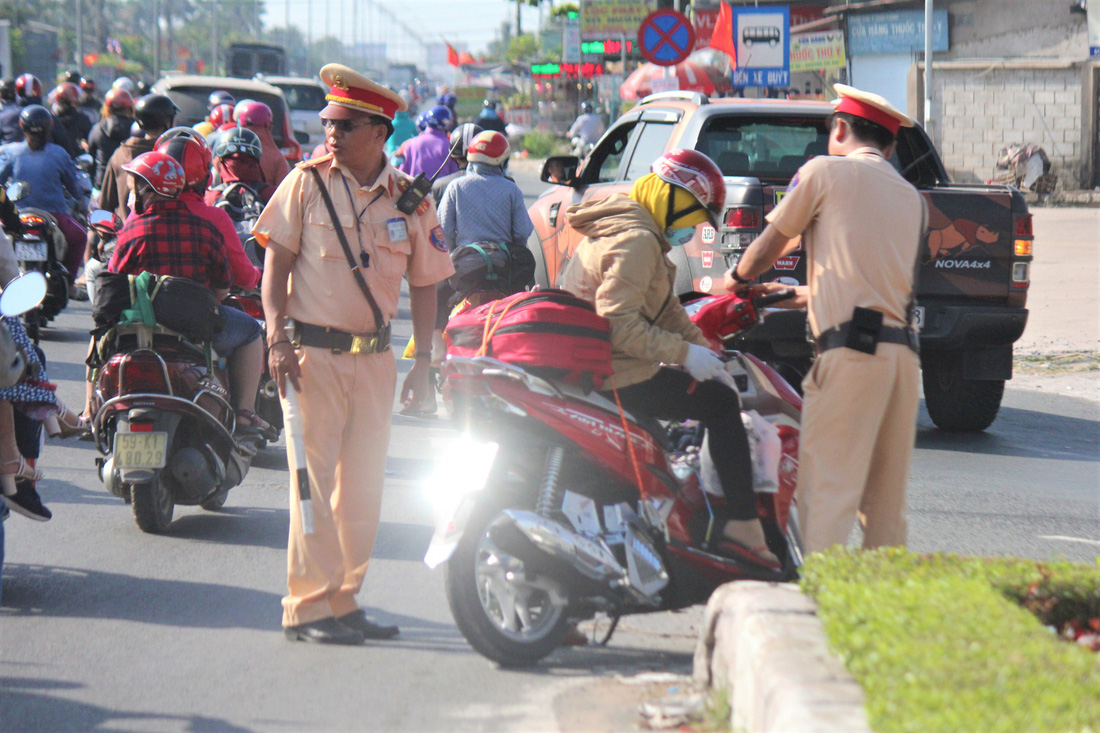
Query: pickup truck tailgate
(969,250)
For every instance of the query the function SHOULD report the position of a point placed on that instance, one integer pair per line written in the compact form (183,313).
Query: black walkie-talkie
(414,194)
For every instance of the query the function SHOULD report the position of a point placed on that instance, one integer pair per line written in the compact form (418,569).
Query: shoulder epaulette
(320,159)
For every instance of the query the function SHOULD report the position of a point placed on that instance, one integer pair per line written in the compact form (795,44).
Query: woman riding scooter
(622,268)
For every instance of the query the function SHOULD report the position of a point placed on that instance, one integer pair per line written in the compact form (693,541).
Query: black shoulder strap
(379,322)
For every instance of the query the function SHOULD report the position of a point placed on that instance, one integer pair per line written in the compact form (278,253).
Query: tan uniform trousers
(346,404)
(859,419)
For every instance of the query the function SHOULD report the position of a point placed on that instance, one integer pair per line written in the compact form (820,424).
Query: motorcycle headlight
(462,469)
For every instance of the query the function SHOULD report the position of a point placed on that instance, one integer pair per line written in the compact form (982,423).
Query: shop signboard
(898,32)
(762,38)
(704,19)
(611,18)
(817,50)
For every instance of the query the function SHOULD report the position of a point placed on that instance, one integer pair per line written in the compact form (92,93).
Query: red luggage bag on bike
(551,333)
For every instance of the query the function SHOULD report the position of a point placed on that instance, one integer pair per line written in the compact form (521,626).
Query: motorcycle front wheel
(506,615)
(152,506)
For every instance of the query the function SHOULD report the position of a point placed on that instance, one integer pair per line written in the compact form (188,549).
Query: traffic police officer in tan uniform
(861,225)
(336,356)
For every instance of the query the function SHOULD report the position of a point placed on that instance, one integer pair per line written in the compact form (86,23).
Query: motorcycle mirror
(100,217)
(18,190)
(23,293)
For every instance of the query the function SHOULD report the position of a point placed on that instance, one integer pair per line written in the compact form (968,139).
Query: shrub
(947,643)
(540,144)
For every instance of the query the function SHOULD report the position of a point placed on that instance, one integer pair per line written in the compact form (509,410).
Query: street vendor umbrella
(684,75)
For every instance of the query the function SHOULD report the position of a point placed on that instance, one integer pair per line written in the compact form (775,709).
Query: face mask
(679,236)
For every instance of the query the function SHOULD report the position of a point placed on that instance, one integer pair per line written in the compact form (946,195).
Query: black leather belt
(306,334)
(836,337)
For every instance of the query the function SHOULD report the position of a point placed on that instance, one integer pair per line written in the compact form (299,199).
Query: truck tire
(955,403)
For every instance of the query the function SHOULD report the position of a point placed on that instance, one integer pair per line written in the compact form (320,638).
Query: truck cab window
(604,162)
(652,143)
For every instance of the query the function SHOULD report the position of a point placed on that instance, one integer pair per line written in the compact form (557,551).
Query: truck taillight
(743,217)
(1021,228)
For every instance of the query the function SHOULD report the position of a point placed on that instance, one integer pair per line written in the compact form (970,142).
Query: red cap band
(855,107)
(363,99)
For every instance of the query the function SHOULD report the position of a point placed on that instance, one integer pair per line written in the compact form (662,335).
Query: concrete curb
(764,643)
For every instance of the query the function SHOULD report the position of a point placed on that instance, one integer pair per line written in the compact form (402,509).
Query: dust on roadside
(1070,373)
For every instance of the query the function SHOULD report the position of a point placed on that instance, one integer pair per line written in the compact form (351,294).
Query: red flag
(465,58)
(452,55)
(722,38)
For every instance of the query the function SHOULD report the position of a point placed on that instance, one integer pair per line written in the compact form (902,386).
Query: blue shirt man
(492,208)
(49,171)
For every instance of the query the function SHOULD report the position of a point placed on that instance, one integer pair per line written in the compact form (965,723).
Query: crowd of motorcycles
(160,412)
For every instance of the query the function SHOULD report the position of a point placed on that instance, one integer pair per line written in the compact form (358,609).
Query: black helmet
(586,107)
(461,138)
(238,141)
(35,118)
(7,89)
(73,76)
(155,111)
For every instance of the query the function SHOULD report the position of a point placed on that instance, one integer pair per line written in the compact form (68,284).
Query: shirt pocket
(323,232)
(393,257)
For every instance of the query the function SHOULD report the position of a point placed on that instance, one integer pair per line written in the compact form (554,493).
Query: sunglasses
(346,125)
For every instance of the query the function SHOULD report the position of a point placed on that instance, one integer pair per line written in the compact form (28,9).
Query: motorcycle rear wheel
(152,506)
(504,617)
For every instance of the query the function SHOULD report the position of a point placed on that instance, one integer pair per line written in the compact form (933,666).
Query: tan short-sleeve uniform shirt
(861,225)
(322,289)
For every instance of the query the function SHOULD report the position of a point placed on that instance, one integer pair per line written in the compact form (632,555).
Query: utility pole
(80,36)
(928,67)
(214,38)
(156,39)
(519,29)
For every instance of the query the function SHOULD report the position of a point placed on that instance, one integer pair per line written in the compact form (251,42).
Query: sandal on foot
(12,470)
(66,424)
(256,424)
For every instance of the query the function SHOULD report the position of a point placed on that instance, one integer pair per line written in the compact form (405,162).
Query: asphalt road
(107,628)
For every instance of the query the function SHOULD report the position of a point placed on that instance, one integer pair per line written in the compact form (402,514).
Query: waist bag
(551,333)
(177,303)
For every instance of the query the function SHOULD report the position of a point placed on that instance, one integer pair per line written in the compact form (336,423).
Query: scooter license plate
(140,450)
(30,251)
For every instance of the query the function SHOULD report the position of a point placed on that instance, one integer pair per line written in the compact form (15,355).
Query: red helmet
(220,115)
(119,99)
(251,113)
(67,92)
(696,173)
(190,150)
(159,170)
(488,147)
(87,84)
(27,85)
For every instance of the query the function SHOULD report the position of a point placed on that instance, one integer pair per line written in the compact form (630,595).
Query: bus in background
(246,60)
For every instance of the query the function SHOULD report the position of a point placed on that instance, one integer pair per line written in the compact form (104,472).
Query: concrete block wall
(982,109)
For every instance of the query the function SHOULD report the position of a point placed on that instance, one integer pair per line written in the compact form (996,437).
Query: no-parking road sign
(666,37)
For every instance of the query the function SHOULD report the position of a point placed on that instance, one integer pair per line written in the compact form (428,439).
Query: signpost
(762,37)
(571,41)
(666,37)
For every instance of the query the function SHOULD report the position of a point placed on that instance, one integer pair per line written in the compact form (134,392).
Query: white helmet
(488,147)
(124,82)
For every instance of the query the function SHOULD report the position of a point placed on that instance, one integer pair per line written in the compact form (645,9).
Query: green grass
(542,144)
(946,643)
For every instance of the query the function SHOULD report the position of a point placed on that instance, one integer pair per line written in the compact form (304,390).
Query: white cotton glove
(702,363)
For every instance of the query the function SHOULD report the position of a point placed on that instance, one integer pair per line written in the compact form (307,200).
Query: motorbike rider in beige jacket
(622,267)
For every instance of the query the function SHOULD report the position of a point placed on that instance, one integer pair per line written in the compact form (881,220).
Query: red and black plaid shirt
(169,240)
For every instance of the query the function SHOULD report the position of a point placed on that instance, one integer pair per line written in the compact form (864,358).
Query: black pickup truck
(975,264)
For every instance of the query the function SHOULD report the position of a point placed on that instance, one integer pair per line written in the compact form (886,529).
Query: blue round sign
(666,37)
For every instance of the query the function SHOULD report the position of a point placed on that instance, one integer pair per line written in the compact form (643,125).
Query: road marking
(1069,539)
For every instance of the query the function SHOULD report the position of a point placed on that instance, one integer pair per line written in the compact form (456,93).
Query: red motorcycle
(547,515)
(164,423)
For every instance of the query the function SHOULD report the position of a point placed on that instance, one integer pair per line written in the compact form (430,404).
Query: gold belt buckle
(363,344)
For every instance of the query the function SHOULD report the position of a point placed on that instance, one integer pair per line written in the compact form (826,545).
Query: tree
(565,10)
(523,48)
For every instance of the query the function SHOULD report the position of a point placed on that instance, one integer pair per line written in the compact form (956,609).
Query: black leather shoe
(325,631)
(370,630)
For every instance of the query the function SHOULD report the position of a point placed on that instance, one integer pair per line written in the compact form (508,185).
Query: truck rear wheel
(955,403)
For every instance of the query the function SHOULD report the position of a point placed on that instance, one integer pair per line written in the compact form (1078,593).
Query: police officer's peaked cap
(870,107)
(351,94)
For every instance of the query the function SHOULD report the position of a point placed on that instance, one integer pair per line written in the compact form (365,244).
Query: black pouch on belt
(864,329)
